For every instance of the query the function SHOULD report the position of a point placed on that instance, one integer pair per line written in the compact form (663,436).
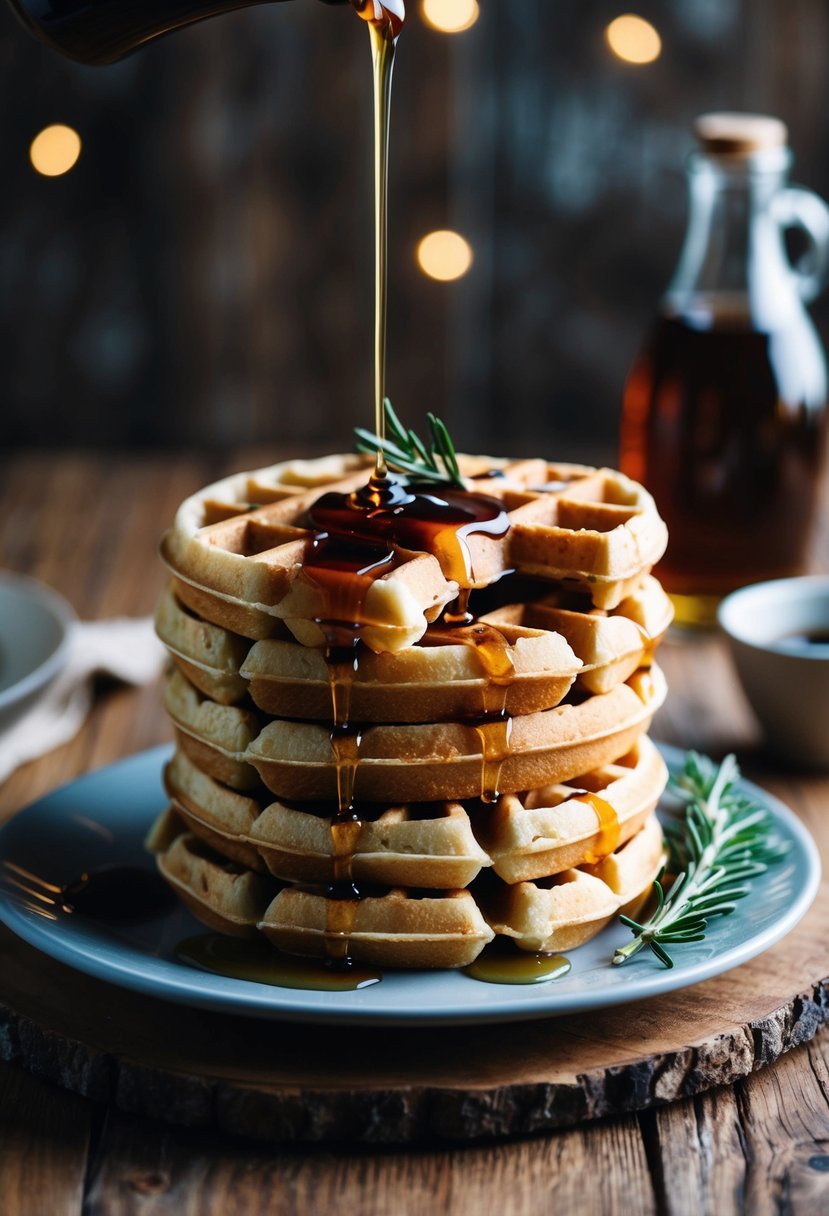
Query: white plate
(35,628)
(101,819)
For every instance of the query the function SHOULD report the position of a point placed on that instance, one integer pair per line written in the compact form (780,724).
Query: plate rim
(63,613)
(174,982)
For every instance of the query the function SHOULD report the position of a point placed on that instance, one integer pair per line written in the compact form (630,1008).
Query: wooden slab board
(291,1083)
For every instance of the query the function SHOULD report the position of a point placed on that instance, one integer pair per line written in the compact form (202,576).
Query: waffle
(409,762)
(565,911)
(546,646)
(214,736)
(545,831)
(395,929)
(409,928)
(427,845)
(423,683)
(217,814)
(611,645)
(223,895)
(209,656)
(236,548)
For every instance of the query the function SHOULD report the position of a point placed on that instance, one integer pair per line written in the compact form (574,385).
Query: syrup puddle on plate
(503,963)
(257,961)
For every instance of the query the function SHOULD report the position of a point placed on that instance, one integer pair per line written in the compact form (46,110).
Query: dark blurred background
(202,276)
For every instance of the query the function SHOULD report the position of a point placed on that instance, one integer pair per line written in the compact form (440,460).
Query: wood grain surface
(758,1145)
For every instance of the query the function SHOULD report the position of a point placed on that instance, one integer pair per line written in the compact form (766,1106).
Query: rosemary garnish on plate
(406,453)
(722,843)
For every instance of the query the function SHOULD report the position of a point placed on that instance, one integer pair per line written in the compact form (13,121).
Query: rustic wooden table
(88,526)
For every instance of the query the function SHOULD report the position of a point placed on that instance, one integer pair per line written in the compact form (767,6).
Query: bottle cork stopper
(733,134)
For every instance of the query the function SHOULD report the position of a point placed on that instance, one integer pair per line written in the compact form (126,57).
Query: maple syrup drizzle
(342,567)
(380,519)
(358,539)
(494,727)
(341,657)
(345,744)
(259,963)
(458,612)
(494,735)
(607,840)
(488,642)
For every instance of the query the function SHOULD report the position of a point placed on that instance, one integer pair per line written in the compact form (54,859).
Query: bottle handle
(795,207)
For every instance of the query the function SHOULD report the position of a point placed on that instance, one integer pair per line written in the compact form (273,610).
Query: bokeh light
(450,16)
(55,150)
(633,39)
(444,255)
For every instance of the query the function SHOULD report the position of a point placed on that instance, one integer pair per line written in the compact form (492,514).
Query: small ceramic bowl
(35,635)
(779,637)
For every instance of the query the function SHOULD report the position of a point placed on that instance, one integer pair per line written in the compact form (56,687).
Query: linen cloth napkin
(126,649)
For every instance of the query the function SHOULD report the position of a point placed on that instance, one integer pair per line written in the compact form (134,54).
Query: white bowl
(785,677)
(35,634)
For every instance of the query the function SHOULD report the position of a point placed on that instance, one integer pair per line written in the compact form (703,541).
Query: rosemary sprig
(722,843)
(407,453)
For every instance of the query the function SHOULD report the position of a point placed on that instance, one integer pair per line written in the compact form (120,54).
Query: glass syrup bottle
(725,408)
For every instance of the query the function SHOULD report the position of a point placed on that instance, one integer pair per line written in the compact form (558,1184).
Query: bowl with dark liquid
(779,638)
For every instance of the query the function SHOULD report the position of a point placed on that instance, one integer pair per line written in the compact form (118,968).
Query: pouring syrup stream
(385,21)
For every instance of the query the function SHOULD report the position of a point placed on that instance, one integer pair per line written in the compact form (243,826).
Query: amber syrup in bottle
(724,413)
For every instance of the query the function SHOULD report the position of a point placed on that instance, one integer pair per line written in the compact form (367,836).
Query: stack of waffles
(363,768)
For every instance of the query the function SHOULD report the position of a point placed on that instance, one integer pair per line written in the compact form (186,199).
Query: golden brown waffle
(222,894)
(424,683)
(422,845)
(427,845)
(236,548)
(611,645)
(411,928)
(547,644)
(219,815)
(215,737)
(396,929)
(208,655)
(429,762)
(544,831)
(439,761)
(565,911)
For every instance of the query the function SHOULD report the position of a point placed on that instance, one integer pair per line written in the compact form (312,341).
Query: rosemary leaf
(406,453)
(721,844)
(394,425)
